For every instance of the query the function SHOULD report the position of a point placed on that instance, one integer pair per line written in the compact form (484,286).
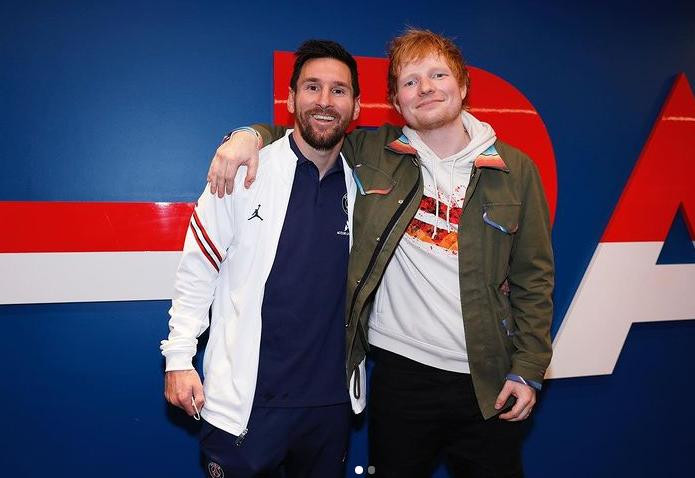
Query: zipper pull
(357,389)
(241,437)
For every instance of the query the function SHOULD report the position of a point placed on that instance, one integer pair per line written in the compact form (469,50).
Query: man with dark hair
(269,263)
(451,278)
(324,49)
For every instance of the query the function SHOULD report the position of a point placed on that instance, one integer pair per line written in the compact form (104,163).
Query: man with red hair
(450,275)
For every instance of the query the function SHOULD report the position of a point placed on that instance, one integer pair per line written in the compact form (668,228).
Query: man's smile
(429,103)
(323,118)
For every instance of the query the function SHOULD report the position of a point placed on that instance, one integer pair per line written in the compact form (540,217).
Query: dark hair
(312,49)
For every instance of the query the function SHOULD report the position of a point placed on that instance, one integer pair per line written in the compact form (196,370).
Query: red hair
(414,45)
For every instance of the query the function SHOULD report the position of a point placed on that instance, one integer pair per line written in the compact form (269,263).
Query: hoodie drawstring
(481,136)
(452,198)
(436,197)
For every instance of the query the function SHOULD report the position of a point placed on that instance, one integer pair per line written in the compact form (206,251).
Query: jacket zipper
(472,183)
(241,437)
(375,255)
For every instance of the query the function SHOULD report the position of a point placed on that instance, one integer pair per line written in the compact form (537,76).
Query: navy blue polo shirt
(302,356)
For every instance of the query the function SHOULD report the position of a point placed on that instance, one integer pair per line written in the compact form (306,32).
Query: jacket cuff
(519,379)
(178,361)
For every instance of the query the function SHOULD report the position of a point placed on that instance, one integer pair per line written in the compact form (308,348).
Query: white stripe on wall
(622,285)
(35,278)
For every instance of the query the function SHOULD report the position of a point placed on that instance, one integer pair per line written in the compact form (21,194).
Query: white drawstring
(484,135)
(196,415)
(453,202)
(436,197)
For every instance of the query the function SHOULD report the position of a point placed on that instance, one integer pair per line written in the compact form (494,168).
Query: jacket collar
(491,159)
(401,145)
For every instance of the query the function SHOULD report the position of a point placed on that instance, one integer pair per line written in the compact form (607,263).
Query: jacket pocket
(508,327)
(371,180)
(205,433)
(500,224)
(502,217)
(503,310)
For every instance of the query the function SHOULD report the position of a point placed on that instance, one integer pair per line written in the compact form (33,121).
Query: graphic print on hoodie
(442,233)
(422,226)
(417,312)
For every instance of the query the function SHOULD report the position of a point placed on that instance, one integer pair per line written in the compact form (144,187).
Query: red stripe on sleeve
(205,235)
(204,251)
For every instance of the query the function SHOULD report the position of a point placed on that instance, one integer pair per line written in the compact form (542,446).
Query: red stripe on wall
(93,226)
(664,176)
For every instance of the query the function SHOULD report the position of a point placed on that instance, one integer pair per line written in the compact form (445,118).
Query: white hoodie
(417,312)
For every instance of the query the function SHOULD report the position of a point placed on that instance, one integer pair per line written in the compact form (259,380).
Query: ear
(395,104)
(356,109)
(290,100)
(464,92)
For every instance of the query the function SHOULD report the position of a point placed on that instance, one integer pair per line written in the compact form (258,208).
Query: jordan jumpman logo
(255,214)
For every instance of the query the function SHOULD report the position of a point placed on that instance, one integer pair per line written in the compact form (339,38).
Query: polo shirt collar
(301,159)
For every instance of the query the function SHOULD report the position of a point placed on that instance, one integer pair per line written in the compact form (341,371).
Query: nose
(324,99)
(425,86)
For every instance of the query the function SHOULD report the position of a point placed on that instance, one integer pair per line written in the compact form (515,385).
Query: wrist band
(248,129)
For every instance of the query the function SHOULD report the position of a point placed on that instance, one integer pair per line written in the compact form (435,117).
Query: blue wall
(127,102)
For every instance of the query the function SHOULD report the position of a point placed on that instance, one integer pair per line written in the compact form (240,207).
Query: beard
(326,139)
(436,121)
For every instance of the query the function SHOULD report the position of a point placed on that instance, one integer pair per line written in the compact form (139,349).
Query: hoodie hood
(446,179)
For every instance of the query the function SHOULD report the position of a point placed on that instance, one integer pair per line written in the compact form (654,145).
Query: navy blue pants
(281,443)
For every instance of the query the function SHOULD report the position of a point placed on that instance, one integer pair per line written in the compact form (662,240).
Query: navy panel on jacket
(303,336)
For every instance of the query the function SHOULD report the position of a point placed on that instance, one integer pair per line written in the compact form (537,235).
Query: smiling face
(428,94)
(323,103)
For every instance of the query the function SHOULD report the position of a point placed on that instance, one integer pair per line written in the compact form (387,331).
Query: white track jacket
(226,259)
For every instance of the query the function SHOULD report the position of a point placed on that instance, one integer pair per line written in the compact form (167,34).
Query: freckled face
(324,103)
(428,94)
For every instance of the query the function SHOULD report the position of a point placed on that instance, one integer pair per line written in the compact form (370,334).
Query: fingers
(231,168)
(212,175)
(525,400)
(181,386)
(198,396)
(518,412)
(523,415)
(220,178)
(503,395)
(241,148)
(514,413)
(251,169)
(216,176)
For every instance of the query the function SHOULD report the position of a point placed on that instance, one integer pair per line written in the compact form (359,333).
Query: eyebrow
(335,83)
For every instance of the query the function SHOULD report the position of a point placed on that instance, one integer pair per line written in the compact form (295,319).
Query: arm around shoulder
(240,147)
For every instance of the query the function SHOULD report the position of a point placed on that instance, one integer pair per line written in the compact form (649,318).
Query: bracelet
(248,129)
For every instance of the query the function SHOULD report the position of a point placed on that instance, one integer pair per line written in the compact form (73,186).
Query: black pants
(420,414)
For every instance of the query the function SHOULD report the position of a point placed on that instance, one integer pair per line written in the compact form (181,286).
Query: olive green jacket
(506,271)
